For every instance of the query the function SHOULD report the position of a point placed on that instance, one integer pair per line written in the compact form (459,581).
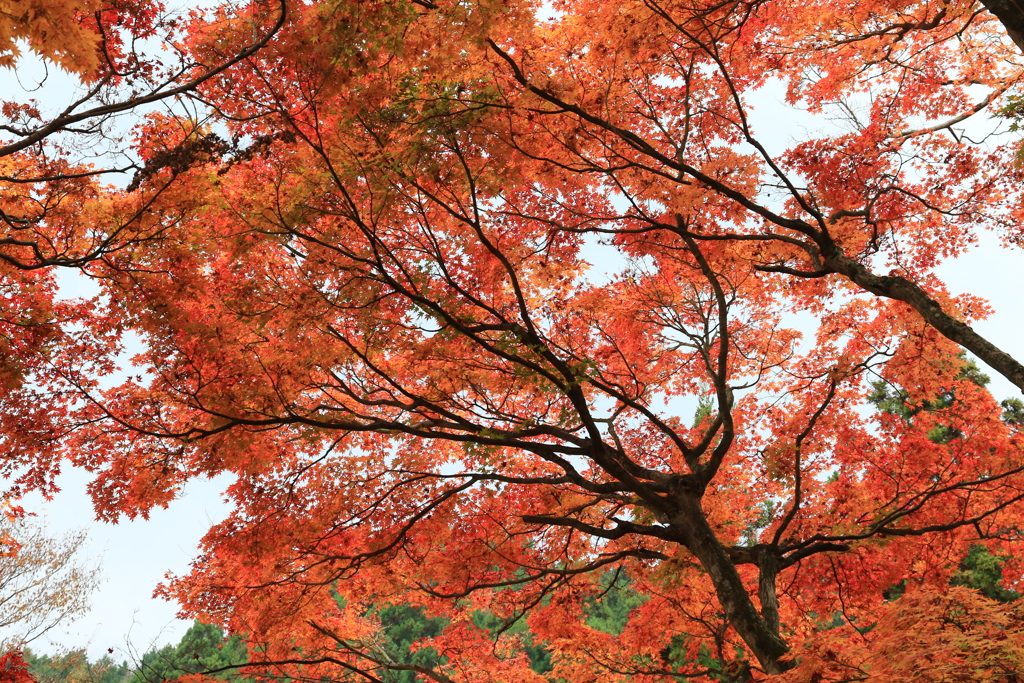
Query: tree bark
(906,291)
(768,563)
(1011,14)
(698,537)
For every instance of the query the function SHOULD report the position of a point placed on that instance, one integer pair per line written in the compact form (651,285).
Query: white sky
(134,556)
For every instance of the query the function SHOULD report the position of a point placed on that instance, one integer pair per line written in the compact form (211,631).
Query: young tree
(383,318)
(43,582)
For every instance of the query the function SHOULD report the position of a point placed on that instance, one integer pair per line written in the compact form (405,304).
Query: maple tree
(59,137)
(48,161)
(14,669)
(377,307)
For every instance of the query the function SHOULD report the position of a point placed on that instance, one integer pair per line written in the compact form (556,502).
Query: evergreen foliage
(403,626)
(202,649)
(983,571)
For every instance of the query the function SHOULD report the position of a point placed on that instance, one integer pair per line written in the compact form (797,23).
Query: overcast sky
(134,555)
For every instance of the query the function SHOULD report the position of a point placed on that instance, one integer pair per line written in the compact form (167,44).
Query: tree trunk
(697,535)
(1011,14)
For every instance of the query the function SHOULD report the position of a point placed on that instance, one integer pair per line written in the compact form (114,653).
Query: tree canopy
(363,267)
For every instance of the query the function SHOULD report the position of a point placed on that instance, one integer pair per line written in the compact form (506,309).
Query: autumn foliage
(14,669)
(43,581)
(489,305)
